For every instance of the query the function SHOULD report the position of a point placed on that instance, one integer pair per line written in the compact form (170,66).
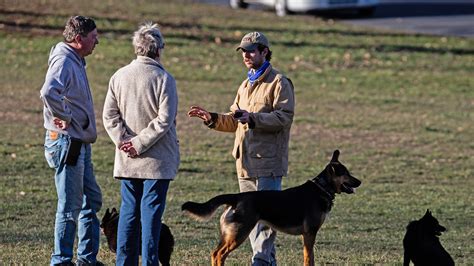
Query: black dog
(109,226)
(299,210)
(422,245)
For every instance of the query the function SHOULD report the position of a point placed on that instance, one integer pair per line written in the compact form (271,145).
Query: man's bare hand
(61,124)
(197,111)
(127,147)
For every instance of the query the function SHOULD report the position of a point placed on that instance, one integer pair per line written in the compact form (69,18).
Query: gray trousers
(262,237)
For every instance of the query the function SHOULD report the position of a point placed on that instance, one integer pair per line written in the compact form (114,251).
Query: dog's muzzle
(349,187)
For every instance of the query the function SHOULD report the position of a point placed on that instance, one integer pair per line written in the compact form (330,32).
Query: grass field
(399,107)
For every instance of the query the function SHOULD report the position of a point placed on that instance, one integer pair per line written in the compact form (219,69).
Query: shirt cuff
(212,123)
(251,122)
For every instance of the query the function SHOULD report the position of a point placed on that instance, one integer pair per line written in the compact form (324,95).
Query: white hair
(147,40)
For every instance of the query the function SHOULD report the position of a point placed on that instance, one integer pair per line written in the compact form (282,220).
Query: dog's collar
(323,186)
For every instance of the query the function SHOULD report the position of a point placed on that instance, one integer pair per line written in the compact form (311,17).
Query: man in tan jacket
(261,117)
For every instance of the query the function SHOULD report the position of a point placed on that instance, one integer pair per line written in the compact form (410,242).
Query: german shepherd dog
(421,243)
(299,210)
(109,226)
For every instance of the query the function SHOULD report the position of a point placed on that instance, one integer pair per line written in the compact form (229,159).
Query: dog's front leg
(406,259)
(308,244)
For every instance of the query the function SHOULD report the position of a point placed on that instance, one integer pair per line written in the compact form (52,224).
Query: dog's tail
(204,211)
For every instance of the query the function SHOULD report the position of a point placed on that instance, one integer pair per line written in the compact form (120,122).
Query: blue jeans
(143,203)
(79,200)
(262,237)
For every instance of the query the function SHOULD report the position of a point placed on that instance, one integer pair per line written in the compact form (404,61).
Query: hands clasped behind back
(128,148)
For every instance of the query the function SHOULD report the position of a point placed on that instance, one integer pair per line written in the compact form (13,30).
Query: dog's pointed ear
(106,215)
(427,213)
(330,170)
(335,156)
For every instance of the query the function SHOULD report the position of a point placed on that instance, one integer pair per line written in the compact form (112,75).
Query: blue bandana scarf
(253,76)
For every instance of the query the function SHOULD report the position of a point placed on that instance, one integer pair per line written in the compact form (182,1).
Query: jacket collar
(148,61)
(64,49)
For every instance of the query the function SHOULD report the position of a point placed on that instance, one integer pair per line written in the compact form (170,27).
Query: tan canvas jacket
(263,149)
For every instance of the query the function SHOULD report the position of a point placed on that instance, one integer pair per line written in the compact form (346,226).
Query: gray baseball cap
(251,40)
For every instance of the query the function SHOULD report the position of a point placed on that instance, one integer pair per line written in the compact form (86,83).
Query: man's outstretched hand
(197,111)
